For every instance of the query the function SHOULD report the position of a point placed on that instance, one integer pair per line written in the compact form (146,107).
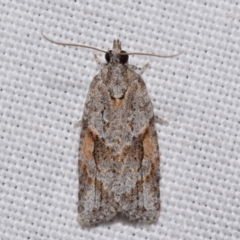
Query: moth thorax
(117,91)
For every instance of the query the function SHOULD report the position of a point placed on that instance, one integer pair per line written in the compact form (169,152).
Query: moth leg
(78,123)
(162,121)
(141,69)
(99,63)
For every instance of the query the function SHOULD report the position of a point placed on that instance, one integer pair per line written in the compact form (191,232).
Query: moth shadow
(119,218)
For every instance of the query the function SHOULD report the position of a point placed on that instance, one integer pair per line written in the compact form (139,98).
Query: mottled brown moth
(118,153)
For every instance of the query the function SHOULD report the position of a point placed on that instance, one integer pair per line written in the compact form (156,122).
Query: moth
(118,152)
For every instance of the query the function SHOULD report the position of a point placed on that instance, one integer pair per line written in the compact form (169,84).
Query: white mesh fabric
(43,89)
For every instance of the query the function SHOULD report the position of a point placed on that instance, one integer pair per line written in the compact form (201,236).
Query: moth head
(116,55)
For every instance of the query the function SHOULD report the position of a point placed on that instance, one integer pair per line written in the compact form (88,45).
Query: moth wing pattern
(118,151)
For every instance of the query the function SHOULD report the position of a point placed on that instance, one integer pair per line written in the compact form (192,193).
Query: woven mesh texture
(43,89)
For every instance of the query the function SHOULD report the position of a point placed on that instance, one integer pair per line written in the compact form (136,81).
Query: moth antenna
(72,44)
(152,55)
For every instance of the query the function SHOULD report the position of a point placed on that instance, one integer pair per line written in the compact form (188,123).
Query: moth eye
(107,56)
(123,58)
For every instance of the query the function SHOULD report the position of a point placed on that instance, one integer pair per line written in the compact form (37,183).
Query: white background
(42,92)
